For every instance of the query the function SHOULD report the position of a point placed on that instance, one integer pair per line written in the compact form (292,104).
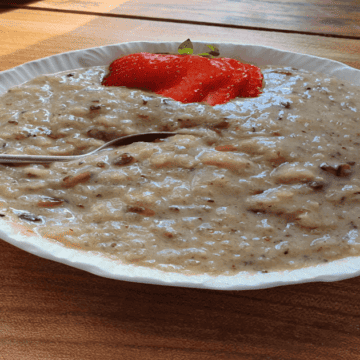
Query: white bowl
(110,267)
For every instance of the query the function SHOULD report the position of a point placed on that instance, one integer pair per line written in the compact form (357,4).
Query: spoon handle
(125,140)
(35,158)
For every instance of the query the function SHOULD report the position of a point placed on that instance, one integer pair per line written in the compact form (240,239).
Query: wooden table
(52,311)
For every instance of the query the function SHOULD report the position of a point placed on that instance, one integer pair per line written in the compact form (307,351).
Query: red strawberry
(145,71)
(187,78)
(201,77)
(214,81)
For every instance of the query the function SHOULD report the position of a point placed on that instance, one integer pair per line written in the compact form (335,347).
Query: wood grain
(20,28)
(52,311)
(41,34)
(316,16)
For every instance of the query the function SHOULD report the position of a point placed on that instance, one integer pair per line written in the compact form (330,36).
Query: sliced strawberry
(145,71)
(201,77)
(187,78)
(245,81)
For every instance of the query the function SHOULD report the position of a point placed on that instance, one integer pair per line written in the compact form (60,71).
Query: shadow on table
(14,2)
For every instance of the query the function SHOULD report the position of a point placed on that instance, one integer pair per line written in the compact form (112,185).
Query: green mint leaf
(205,55)
(186,47)
(214,50)
(185,51)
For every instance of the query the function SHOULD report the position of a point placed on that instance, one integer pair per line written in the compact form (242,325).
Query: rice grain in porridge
(257,184)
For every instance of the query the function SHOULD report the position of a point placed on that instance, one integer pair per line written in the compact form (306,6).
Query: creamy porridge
(257,184)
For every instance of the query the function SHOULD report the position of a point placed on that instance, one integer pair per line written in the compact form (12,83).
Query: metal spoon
(125,140)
